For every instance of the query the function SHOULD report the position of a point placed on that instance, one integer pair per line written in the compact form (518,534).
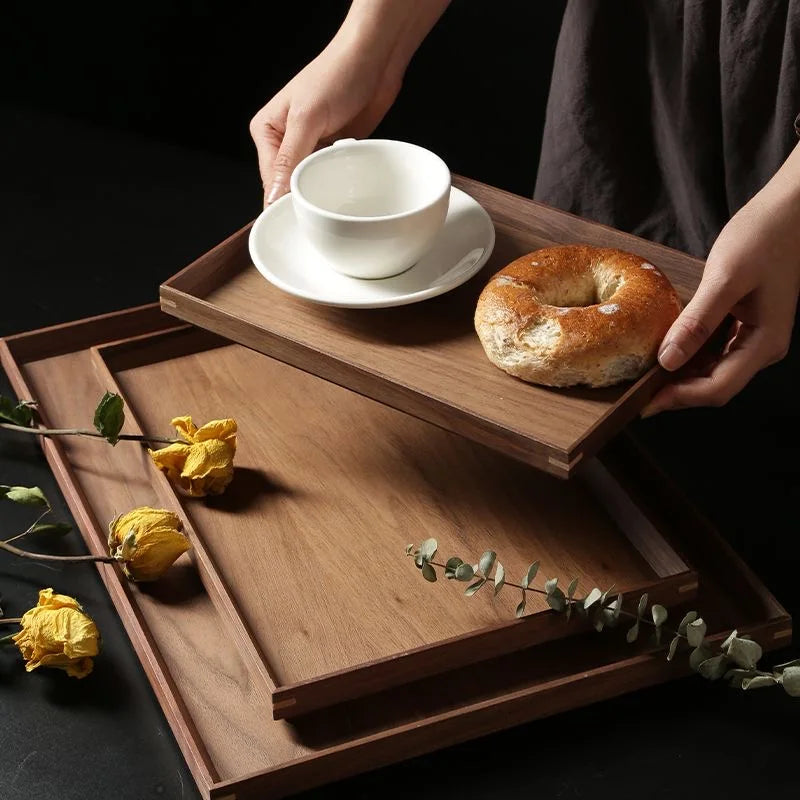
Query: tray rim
(502,711)
(184,296)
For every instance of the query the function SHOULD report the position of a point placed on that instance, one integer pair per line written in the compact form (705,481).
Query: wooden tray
(213,694)
(330,488)
(426,359)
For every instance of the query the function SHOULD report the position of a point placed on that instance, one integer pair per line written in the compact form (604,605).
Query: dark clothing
(666,116)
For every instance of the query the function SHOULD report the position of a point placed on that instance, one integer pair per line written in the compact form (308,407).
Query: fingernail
(650,411)
(273,194)
(671,356)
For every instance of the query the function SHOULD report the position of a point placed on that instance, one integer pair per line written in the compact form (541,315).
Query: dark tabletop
(92,221)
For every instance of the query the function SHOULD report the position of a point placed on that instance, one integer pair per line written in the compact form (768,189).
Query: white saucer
(283,256)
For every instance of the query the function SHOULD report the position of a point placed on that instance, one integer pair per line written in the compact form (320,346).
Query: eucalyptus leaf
(453,563)
(781,667)
(606,593)
(736,677)
(409,549)
(690,616)
(673,646)
(698,656)
(556,600)
(598,623)
(473,587)
(617,607)
(520,608)
(487,562)
(550,586)
(527,580)
(714,668)
(642,605)
(16,413)
(695,632)
(25,495)
(428,549)
(573,585)
(726,644)
(592,598)
(464,572)
(109,417)
(499,578)
(633,633)
(759,682)
(744,652)
(419,560)
(428,572)
(659,615)
(790,680)
(52,528)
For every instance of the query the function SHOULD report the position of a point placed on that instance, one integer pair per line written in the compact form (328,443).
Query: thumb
(299,140)
(694,326)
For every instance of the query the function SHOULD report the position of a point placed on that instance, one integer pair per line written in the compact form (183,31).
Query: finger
(267,139)
(299,140)
(752,350)
(696,323)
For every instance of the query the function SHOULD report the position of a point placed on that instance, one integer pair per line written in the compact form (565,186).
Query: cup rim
(346,143)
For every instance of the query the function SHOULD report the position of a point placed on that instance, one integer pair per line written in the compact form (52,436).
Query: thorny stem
(573,602)
(46,557)
(86,432)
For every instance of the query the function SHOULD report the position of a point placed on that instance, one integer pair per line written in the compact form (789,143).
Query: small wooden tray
(330,485)
(426,359)
(213,694)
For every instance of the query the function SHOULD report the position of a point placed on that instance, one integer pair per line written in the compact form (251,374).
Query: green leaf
(673,646)
(759,682)
(633,633)
(25,495)
(698,656)
(724,646)
(714,668)
(487,562)
(573,585)
(736,677)
(530,575)
(606,593)
(782,667)
(409,549)
(659,615)
(642,605)
(520,608)
(428,572)
(16,413)
(790,680)
(690,616)
(499,578)
(464,572)
(428,549)
(744,652)
(52,528)
(473,587)
(550,586)
(109,417)
(592,598)
(695,632)
(617,607)
(556,600)
(419,560)
(453,563)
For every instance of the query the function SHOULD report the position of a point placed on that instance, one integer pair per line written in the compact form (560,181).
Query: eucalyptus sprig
(735,661)
(109,417)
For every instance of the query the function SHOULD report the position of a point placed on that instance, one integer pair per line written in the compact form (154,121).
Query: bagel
(576,315)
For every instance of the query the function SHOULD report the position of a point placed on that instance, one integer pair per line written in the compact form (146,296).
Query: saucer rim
(389,302)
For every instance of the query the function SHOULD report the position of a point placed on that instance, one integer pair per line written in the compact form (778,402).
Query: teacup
(371,207)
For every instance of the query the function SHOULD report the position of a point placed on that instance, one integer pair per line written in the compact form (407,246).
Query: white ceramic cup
(372,207)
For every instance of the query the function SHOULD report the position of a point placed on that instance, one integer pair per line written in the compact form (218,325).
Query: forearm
(390,31)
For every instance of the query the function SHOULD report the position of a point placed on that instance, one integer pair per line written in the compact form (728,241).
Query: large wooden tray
(330,488)
(425,359)
(213,693)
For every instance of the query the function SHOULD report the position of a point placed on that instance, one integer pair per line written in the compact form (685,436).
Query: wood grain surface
(425,359)
(214,701)
(331,486)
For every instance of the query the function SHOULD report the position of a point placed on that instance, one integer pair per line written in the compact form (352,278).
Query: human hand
(344,92)
(753,274)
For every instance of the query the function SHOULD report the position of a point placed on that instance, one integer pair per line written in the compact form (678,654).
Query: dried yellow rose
(57,633)
(204,464)
(147,541)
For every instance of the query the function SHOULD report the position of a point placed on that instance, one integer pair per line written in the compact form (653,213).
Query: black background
(124,154)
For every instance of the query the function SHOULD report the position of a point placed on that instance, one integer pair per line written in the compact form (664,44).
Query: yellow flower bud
(204,464)
(147,540)
(57,633)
